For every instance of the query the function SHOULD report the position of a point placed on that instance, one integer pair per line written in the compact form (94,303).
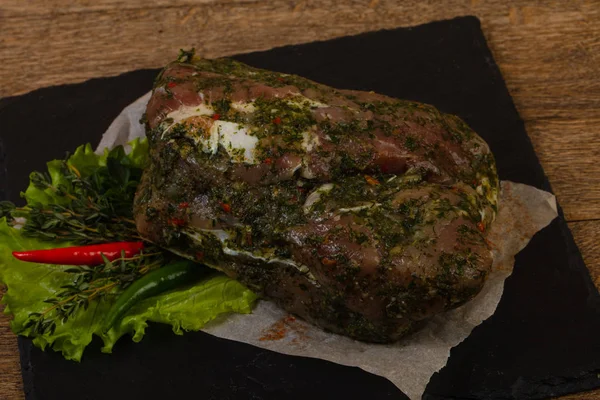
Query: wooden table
(548,52)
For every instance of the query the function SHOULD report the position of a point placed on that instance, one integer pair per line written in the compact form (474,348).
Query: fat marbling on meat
(361,213)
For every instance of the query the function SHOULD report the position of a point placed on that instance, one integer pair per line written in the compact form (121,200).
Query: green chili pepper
(154,283)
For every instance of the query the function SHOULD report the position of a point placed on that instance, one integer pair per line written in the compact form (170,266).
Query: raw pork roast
(358,212)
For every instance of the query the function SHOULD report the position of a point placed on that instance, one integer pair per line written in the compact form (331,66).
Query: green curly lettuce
(29,284)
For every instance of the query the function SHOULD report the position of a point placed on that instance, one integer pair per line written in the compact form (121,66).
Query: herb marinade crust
(361,213)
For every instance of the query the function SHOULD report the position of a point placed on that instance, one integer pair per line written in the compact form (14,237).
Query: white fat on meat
(315,196)
(233,137)
(243,107)
(223,236)
(236,141)
(239,142)
(185,112)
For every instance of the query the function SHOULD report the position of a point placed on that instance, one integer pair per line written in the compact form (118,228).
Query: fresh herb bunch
(91,206)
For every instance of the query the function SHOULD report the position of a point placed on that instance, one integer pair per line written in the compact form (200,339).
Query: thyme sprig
(93,283)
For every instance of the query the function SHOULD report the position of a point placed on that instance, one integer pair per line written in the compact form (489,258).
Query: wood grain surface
(548,52)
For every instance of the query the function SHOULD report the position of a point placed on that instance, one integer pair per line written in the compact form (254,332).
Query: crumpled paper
(410,362)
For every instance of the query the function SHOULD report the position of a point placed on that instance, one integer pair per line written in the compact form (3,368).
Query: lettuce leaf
(86,161)
(29,284)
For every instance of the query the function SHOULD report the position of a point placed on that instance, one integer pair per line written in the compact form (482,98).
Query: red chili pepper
(215,116)
(481,226)
(176,221)
(268,161)
(184,204)
(80,255)
(171,84)
(277,120)
(226,207)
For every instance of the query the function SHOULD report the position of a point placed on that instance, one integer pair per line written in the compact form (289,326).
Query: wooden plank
(11,383)
(75,47)
(591,395)
(569,150)
(46,8)
(587,235)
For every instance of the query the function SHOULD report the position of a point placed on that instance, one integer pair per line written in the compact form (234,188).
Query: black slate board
(542,341)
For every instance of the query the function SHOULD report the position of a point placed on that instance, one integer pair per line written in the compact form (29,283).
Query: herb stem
(60,303)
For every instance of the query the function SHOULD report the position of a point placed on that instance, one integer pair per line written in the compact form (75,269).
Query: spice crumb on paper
(287,327)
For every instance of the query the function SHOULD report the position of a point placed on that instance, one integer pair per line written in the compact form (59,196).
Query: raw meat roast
(358,212)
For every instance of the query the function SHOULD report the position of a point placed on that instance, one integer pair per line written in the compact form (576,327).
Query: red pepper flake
(371,181)
(268,160)
(176,221)
(301,189)
(330,262)
(294,198)
(199,255)
(171,84)
(474,182)
(215,116)
(481,227)
(280,79)
(226,207)
(184,204)
(277,121)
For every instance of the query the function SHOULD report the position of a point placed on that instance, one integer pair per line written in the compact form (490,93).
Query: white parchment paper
(411,362)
